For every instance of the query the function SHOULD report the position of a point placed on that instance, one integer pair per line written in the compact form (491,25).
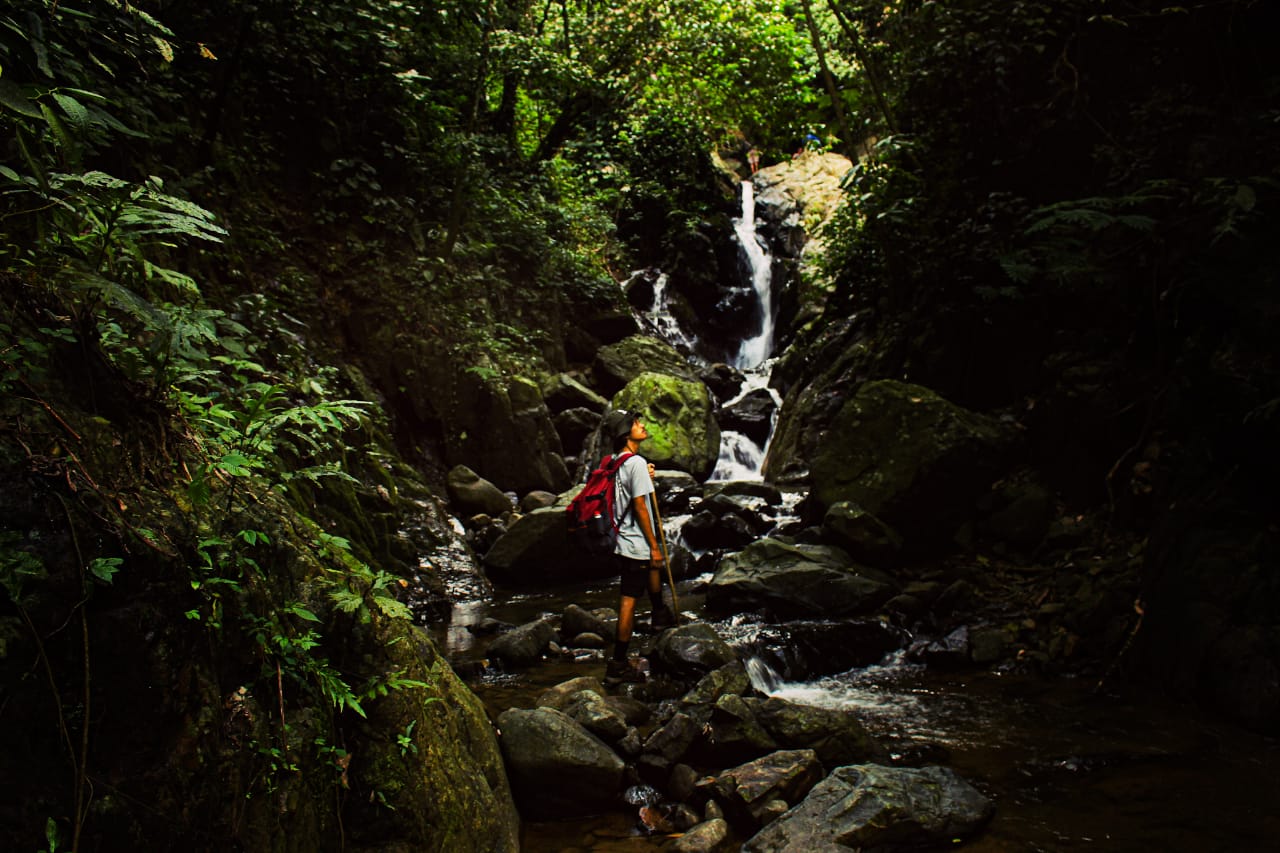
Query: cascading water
(755,349)
(740,457)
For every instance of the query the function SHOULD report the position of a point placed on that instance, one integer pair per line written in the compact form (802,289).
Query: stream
(1069,767)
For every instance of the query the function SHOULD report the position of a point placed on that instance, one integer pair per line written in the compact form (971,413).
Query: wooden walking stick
(666,557)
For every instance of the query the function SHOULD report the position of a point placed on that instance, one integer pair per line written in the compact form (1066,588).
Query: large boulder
(446,793)
(680,417)
(618,364)
(796,580)
(909,457)
(536,550)
(867,806)
(556,767)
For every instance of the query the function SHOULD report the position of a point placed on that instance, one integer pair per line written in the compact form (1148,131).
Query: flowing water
(1068,767)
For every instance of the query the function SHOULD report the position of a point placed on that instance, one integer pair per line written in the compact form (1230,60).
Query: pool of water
(1069,768)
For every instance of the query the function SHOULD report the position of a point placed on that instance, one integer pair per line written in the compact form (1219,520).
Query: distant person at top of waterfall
(753,157)
(638,554)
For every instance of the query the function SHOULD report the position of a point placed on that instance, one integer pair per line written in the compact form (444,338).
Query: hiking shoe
(661,619)
(622,671)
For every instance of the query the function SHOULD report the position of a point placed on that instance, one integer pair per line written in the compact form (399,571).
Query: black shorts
(633,576)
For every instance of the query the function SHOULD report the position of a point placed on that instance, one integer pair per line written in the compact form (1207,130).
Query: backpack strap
(614,466)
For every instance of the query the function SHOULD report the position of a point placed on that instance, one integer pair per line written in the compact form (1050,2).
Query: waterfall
(754,350)
(741,458)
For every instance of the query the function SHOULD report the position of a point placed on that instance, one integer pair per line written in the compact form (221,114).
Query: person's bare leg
(626,618)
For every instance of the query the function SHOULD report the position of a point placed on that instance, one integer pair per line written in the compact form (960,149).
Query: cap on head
(618,425)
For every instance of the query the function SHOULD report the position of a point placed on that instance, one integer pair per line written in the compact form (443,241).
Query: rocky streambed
(719,750)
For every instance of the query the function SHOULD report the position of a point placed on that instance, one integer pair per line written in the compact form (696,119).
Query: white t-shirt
(632,482)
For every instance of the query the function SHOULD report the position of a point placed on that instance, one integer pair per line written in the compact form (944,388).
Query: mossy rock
(618,364)
(909,457)
(680,417)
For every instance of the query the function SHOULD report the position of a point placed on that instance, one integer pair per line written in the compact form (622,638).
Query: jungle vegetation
(203,205)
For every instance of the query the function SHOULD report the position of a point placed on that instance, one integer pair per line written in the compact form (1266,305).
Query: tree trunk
(827,78)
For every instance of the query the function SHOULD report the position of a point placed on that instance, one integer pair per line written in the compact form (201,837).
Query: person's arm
(640,506)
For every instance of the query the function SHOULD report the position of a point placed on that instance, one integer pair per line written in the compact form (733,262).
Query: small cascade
(659,316)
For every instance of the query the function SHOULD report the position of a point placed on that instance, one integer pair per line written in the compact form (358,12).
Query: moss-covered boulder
(440,783)
(618,364)
(680,417)
(909,457)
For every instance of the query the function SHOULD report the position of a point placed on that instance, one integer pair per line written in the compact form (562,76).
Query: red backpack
(591,525)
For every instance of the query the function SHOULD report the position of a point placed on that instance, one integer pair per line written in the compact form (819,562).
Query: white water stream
(759,346)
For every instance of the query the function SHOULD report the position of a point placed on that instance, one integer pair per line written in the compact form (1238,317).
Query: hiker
(753,157)
(638,553)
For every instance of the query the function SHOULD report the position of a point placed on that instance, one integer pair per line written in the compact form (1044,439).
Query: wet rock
(680,784)
(988,645)
(707,531)
(693,650)
(766,492)
(575,426)
(736,735)
(796,580)
(578,620)
(951,652)
(752,416)
(724,380)
(556,767)
(590,710)
(523,645)
(536,550)
(470,493)
(801,650)
(631,744)
(730,678)
(711,836)
(589,640)
(867,539)
(672,740)
(682,818)
(861,807)
(635,712)
(676,491)
(747,790)
(556,697)
(836,736)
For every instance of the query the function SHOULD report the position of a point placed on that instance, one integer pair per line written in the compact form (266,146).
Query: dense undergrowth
(260,260)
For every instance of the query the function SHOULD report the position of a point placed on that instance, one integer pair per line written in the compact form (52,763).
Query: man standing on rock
(638,553)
